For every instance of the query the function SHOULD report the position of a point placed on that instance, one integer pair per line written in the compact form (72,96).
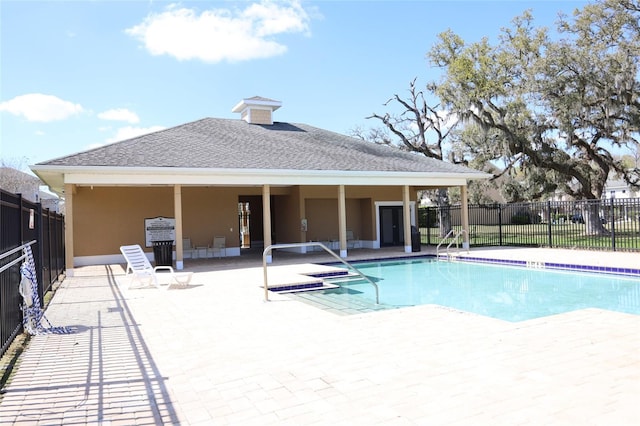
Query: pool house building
(250,182)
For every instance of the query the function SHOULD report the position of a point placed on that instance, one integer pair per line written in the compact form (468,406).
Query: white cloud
(129,132)
(42,108)
(125,133)
(221,34)
(270,18)
(120,114)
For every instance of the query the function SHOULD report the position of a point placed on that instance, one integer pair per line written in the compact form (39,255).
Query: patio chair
(141,269)
(187,250)
(352,242)
(219,247)
(33,319)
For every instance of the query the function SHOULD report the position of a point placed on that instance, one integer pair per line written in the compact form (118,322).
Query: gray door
(391,226)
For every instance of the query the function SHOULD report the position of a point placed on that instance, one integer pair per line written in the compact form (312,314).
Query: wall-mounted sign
(32,219)
(159,229)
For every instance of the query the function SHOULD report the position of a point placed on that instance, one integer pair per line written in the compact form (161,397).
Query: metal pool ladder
(268,249)
(454,240)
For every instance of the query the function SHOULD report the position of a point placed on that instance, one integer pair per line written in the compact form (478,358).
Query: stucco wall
(322,219)
(209,212)
(322,210)
(107,217)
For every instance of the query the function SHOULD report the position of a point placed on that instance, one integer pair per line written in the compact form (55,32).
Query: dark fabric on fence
(559,224)
(22,221)
(34,321)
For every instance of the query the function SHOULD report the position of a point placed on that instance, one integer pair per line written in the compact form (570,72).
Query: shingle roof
(234,144)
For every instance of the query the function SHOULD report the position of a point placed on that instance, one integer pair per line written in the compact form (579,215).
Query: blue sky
(79,74)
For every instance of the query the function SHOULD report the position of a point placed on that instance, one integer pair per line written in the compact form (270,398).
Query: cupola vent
(257,110)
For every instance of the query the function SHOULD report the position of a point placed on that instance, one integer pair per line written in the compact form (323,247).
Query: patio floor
(216,353)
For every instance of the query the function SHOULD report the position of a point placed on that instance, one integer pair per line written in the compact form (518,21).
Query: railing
(10,314)
(23,220)
(558,224)
(268,249)
(454,240)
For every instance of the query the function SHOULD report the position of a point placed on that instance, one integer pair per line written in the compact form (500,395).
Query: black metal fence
(609,225)
(22,221)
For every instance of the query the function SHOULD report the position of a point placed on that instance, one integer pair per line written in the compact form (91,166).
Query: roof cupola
(257,110)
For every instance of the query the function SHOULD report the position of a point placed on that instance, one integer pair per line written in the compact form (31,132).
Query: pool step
(298,288)
(339,301)
(349,278)
(316,282)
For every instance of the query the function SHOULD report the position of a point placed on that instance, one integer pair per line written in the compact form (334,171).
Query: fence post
(549,223)
(500,225)
(429,225)
(56,245)
(50,249)
(613,225)
(21,217)
(428,235)
(39,251)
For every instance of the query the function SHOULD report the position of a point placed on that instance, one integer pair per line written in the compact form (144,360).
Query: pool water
(504,292)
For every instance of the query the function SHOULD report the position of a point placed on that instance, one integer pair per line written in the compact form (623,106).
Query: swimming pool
(505,292)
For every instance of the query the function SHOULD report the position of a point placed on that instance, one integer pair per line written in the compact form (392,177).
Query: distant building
(29,186)
(618,188)
(51,201)
(17,182)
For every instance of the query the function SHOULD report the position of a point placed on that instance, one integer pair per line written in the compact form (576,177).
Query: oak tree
(553,109)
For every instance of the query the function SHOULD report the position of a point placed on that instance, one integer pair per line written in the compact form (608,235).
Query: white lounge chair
(141,269)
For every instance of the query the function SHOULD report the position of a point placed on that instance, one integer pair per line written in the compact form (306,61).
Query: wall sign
(159,229)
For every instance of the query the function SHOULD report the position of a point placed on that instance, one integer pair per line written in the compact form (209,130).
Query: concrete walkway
(216,354)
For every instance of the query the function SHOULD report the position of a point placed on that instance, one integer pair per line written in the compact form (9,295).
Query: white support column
(302,208)
(68,228)
(406,210)
(464,206)
(342,221)
(266,218)
(177,211)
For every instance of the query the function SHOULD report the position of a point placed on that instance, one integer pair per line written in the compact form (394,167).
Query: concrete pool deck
(215,353)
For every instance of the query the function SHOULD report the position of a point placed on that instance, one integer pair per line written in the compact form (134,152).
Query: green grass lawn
(566,235)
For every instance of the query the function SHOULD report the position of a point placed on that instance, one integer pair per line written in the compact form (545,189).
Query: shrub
(520,219)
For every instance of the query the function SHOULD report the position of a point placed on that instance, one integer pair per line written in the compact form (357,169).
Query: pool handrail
(268,250)
(454,240)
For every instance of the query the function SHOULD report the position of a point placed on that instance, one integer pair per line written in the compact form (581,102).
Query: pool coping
(533,264)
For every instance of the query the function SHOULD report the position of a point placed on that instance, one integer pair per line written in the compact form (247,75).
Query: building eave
(57,176)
